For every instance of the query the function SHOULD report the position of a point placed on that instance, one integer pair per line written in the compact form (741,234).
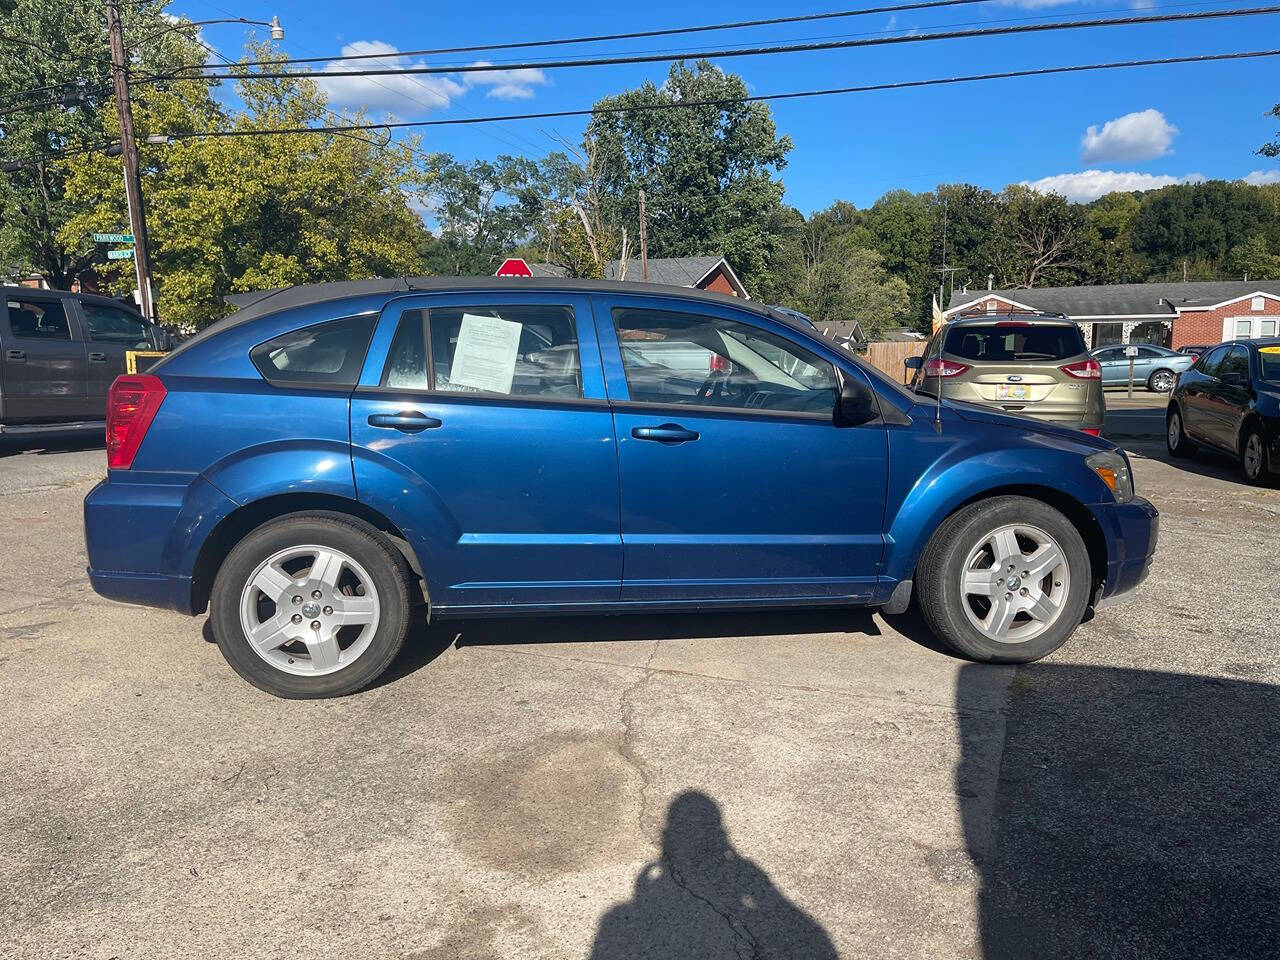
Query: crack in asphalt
(627,750)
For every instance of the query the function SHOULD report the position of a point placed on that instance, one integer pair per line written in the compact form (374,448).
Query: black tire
(363,544)
(938,578)
(1257,473)
(1158,374)
(1175,435)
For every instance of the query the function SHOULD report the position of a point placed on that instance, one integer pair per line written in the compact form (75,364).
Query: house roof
(1122,299)
(672,271)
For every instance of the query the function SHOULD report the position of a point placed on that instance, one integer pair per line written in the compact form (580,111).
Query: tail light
(1084,370)
(938,367)
(1092,431)
(132,403)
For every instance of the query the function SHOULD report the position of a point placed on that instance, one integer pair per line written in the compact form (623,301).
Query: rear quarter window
(1014,342)
(327,354)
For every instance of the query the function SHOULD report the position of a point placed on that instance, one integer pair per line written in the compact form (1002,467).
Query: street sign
(514,267)
(113,238)
(120,254)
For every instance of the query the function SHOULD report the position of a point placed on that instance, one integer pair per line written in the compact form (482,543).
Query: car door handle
(18,356)
(409,421)
(97,357)
(669,433)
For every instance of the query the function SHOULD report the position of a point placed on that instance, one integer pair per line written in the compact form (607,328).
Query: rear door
(735,482)
(484,416)
(110,332)
(43,373)
(1114,364)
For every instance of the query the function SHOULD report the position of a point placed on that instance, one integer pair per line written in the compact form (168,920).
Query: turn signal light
(132,403)
(938,367)
(1084,370)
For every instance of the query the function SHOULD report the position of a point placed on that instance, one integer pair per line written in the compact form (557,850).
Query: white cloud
(507,84)
(1262,177)
(402,94)
(1091,184)
(1128,139)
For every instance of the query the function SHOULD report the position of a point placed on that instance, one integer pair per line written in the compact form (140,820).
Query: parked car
(1230,401)
(1032,364)
(59,353)
(301,466)
(1155,368)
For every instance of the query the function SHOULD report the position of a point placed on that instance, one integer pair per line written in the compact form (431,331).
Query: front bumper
(1131,530)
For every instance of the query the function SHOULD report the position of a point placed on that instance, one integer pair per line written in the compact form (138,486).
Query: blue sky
(1080,134)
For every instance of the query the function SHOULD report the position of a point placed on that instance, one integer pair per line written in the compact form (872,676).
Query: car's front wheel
(311,606)
(1004,580)
(1162,381)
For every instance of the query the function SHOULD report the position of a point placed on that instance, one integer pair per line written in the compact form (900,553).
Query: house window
(991,306)
(1244,327)
(1105,333)
(1258,303)
(1267,328)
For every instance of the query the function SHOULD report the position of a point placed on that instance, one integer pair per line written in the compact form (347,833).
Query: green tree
(899,227)
(60,50)
(707,171)
(1040,239)
(484,210)
(1251,259)
(249,212)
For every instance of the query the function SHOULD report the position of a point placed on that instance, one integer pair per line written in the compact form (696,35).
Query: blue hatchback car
(333,460)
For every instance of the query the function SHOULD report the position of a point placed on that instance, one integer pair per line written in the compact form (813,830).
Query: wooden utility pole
(129,153)
(644,242)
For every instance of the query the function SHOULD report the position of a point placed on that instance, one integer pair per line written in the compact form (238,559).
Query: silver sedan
(1156,368)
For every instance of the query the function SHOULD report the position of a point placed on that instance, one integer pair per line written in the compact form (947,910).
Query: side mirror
(913,363)
(856,404)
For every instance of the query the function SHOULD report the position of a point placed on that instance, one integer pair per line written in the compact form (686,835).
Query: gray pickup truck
(59,352)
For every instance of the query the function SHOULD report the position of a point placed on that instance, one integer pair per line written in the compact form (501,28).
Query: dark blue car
(332,460)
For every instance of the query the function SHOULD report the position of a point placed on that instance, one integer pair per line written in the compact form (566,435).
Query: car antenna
(937,416)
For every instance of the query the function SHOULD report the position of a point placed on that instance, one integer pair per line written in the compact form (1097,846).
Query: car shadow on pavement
(1136,814)
(1206,463)
(702,898)
(11,445)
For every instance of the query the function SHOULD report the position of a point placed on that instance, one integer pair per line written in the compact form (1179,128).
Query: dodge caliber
(332,461)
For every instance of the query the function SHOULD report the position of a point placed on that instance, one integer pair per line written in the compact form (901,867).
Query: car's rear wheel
(1004,580)
(1253,456)
(1175,437)
(1162,381)
(311,606)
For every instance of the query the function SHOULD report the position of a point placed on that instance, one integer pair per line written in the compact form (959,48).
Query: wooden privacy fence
(887,355)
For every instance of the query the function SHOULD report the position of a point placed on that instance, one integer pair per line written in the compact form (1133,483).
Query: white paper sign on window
(485,355)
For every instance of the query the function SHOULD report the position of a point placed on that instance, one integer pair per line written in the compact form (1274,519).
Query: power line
(765,50)
(639,34)
(695,104)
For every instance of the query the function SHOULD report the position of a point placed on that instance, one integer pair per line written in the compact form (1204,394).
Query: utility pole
(644,242)
(129,153)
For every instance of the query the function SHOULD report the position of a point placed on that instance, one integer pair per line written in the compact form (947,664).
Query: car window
(1210,361)
(1149,353)
(1237,361)
(1111,353)
(329,353)
(113,325)
(38,320)
(1014,341)
(711,361)
(523,350)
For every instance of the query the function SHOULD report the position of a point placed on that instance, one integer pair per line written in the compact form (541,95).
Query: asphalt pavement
(788,784)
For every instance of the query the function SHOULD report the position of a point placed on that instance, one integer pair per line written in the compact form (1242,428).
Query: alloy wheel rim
(1015,583)
(309,610)
(1175,431)
(1253,456)
(1163,382)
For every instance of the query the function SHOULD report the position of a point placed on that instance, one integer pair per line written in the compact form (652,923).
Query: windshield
(1269,361)
(1014,341)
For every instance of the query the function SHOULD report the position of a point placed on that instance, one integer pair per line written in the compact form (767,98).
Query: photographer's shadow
(701,898)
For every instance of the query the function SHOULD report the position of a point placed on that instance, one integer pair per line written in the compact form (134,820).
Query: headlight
(1113,469)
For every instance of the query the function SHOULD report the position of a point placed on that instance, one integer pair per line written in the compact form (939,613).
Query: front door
(44,362)
(735,481)
(110,332)
(482,421)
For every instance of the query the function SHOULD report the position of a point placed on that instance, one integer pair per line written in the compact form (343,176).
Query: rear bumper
(146,589)
(1131,530)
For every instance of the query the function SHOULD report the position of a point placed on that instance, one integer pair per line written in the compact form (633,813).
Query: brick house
(701,273)
(1171,314)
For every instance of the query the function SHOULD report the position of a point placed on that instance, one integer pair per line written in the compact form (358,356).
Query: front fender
(949,473)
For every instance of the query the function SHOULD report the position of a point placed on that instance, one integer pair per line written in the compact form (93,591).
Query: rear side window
(329,353)
(525,351)
(38,320)
(1006,342)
